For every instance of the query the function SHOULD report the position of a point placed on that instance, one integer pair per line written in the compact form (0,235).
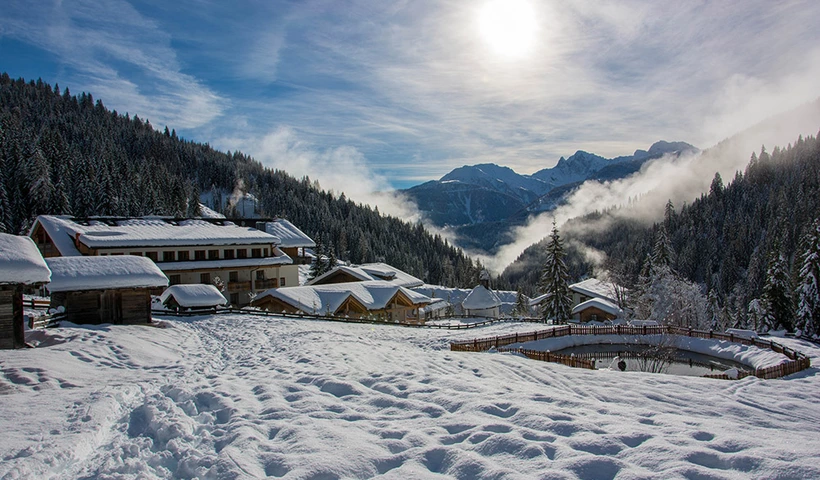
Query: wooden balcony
(239,286)
(266,284)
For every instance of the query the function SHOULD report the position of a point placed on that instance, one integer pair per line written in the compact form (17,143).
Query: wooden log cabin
(21,267)
(95,290)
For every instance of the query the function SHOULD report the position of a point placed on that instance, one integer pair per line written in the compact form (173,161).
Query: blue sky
(370,95)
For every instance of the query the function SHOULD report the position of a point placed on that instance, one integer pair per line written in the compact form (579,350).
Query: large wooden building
(105,289)
(21,266)
(243,260)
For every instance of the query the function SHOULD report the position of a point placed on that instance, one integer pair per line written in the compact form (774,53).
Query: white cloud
(341,170)
(112,51)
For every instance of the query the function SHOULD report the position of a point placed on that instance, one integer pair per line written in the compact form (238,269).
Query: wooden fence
(45,321)
(36,303)
(797,362)
(552,357)
(330,318)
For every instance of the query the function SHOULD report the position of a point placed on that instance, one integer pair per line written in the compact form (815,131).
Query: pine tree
(777,293)
(808,290)
(554,282)
(319,265)
(522,306)
(662,253)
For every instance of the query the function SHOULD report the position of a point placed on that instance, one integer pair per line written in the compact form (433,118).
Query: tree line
(745,255)
(67,154)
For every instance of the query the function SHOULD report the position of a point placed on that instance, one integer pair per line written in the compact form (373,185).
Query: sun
(508,27)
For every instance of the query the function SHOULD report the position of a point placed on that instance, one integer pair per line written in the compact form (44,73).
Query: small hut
(596,310)
(192,297)
(481,302)
(105,289)
(21,266)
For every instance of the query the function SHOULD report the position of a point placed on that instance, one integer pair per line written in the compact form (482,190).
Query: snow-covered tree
(777,293)
(671,300)
(319,265)
(557,305)
(757,314)
(662,253)
(522,305)
(713,310)
(808,290)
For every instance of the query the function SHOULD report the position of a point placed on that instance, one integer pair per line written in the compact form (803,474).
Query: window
(174,280)
(213,254)
(183,255)
(233,276)
(282,282)
(136,254)
(256,252)
(235,298)
(200,254)
(260,275)
(168,256)
(266,252)
(241,253)
(205,278)
(151,255)
(228,254)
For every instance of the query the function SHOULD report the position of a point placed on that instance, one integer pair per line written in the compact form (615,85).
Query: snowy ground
(241,397)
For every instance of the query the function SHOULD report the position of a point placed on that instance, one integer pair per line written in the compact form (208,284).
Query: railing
(797,362)
(239,286)
(45,321)
(36,303)
(266,284)
(330,318)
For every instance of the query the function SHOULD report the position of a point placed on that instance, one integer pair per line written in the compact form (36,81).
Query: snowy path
(240,397)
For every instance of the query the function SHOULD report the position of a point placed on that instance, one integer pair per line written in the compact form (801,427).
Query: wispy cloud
(113,51)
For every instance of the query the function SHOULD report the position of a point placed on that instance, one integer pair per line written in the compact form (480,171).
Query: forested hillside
(734,241)
(65,154)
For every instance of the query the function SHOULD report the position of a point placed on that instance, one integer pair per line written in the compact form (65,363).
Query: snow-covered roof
(643,323)
(740,332)
(480,298)
(324,299)
(191,296)
(21,262)
(103,273)
(592,287)
(147,232)
(373,272)
(600,304)
(289,234)
(280,258)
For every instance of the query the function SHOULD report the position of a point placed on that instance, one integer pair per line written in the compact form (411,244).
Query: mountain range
(481,202)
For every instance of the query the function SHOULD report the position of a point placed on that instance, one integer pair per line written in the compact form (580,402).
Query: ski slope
(233,397)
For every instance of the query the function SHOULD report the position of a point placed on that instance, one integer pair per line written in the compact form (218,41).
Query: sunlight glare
(508,26)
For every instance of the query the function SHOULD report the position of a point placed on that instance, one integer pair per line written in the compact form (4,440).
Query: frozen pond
(645,358)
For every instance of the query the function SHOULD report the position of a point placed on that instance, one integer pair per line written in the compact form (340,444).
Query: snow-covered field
(242,397)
